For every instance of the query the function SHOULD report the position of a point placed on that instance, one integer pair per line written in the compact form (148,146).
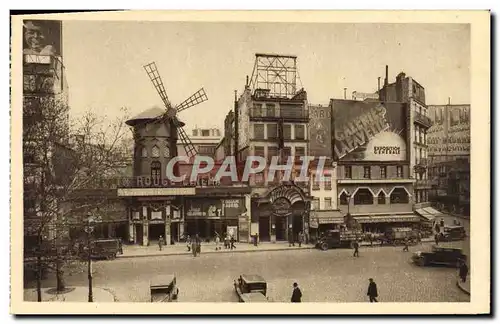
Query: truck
(398,235)
(337,238)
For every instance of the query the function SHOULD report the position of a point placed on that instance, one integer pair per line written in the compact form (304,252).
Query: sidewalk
(74,294)
(137,251)
(464,286)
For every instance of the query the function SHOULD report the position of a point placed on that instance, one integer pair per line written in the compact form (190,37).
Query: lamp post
(89,228)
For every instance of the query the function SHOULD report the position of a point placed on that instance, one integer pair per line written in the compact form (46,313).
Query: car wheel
(324,246)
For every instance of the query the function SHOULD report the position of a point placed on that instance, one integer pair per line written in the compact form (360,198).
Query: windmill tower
(157,130)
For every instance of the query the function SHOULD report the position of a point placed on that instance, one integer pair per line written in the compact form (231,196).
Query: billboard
(42,37)
(369,131)
(450,132)
(320,130)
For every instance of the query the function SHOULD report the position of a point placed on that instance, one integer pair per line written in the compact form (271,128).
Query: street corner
(464,286)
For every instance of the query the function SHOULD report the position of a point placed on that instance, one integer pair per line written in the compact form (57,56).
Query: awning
(387,219)
(428,213)
(328,217)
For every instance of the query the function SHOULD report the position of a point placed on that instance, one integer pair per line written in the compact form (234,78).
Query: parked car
(439,255)
(453,233)
(102,249)
(163,288)
(251,288)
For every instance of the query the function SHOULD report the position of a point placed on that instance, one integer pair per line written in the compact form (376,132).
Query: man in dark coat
(296,294)
(372,291)
(463,270)
(355,245)
(291,239)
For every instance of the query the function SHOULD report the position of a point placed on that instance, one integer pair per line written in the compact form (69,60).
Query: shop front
(207,216)
(281,212)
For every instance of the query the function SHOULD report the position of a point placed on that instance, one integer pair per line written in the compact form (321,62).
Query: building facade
(374,178)
(272,120)
(449,157)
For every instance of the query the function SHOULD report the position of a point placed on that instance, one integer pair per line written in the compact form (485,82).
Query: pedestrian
(232,240)
(372,291)
(291,240)
(301,238)
(198,244)
(120,245)
(217,242)
(405,249)
(355,245)
(306,235)
(188,242)
(226,241)
(436,238)
(296,294)
(160,242)
(463,271)
(442,222)
(419,237)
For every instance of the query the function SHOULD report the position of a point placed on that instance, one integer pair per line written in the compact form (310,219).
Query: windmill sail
(195,99)
(186,141)
(155,78)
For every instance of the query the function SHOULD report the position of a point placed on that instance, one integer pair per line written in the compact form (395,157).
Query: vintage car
(107,248)
(163,288)
(439,255)
(453,233)
(251,289)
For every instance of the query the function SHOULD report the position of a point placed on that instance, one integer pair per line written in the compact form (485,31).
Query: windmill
(170,115)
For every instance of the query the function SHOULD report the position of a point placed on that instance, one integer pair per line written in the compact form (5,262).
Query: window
(272,131)
(257,110)
(272,151)
(347,172)
(381,198)
(144,152)
(205,132)
(207,149)
(315,203)
(287,132)
(328,182)
(271,110)
(399,196)
(425,138)
(300,133)
(287,151)
(155,170)
(328,203)
(258,131)
(399,171)
(166,150)
(259,151)
(300,151)
(367,174)
(363,197)
(155,152)
(422,136)
(383,172)
(258,178)
(315,182)
(416,133)
(343,199)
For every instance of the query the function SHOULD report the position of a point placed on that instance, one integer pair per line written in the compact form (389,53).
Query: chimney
(235,95)
(386,81)
(378,88)
(246,85)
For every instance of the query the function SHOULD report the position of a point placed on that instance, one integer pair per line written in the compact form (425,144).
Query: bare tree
(60,162)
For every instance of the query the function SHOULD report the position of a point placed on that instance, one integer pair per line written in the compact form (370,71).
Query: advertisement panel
(450,132)
(369,131)
(209,208)
(320,131)
(234,207)
(42,37)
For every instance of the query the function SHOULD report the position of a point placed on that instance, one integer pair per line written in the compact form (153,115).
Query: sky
(104,61)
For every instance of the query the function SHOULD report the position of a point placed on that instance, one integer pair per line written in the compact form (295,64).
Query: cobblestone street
(333,276)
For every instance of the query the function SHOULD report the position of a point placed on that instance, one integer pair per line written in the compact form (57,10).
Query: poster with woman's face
(42,37)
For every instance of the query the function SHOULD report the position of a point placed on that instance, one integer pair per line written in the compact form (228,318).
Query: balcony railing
(423,120)
(276,113)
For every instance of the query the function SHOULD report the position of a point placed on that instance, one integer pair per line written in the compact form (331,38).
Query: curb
(462,288)
(210,252)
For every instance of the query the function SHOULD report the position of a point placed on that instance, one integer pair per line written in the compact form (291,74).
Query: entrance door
(174,232)
(297,225)
(264,229)
(281,228)
(155,230)
(138,234)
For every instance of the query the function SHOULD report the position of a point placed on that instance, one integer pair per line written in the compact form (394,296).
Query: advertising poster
(234,207)
(369,131)
(450,132)
(320,130)
(42,37)
(209,208)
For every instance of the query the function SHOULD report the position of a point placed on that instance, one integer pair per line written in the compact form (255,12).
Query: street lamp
(89,228)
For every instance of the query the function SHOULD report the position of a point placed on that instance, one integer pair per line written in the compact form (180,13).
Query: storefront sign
(122,192)
(234,207)
(209,208)
(282,207)
(369,131)
(320,131)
